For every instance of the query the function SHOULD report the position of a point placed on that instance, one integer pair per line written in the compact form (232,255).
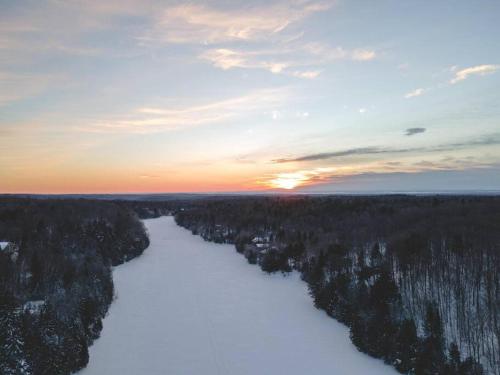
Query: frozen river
(189,307)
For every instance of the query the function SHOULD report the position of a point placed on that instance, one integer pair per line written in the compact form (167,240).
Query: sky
(224,96)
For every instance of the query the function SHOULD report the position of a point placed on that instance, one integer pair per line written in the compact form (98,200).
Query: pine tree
(454,358)
(431,358)
(406,347)
(36,270)
(315,278)
(12,352)
(470,367)
(358,332)
(381,330)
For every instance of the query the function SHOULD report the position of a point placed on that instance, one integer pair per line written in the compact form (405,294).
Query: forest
(55,279)
(415,278)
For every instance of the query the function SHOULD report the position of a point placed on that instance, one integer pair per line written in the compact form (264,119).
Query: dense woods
(416,279)
(55,279)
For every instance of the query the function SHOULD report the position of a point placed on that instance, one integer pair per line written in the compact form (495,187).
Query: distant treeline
(416,279)
(55,279)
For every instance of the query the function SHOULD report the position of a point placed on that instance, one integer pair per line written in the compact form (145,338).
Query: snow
(34,307)
(189,307)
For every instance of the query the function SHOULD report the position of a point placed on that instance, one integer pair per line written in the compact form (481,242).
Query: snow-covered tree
(12,352)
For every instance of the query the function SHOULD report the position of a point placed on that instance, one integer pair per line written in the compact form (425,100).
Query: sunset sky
(213,96)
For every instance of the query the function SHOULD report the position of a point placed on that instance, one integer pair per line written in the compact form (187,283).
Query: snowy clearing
(189,307)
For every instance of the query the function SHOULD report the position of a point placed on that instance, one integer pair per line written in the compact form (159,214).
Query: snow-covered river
(189,307)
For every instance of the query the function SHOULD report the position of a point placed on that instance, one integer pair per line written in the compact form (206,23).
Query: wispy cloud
(459,75)
(327,53)
(308,74)
(267,36)
(276,62)
(301,60)
(166,118)
(486,140)
(228,58)
(334,154)
(412,131)
(414,93)
(255,38)
(195,23)
(479,70)
(363,55)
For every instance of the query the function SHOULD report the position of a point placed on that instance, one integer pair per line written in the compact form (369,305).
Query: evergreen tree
(36,270)
(454,359)
(274,261)
(358,332)
(315,278)
(470,367)
(12,352)
(381,329)
(406,347)
(431,357)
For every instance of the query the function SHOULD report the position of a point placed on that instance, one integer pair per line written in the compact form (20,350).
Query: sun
(288,181)
(287,184)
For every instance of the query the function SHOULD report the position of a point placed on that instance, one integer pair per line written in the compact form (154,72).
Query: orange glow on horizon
(72,176)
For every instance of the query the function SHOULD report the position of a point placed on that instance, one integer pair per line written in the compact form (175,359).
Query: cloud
(227,59)
(236,30)
(363,55)
(486,140)
(469,179)
(414,93)
(327,53)
(309,74)
(282,55)
(480,70)
(277,61)
(459,75)
(159,118)
(412,131)
(333,154)
(196,23)
(335,177)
